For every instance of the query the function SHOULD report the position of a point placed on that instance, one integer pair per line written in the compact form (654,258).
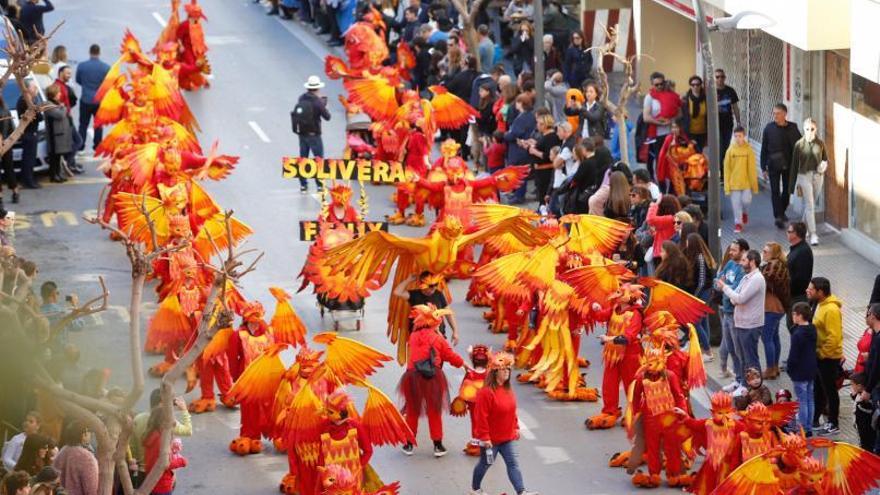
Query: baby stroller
(342,313)
(696,178)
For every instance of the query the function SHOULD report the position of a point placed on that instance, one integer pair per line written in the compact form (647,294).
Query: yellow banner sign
(308,229)
(357,170)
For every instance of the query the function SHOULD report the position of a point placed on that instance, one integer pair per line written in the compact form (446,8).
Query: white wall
(865,45)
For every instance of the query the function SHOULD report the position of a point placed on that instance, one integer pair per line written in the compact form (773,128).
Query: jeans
(746,342)
(86,112)
(519,194)
(728,348)
(811,185)
(825,393)
(804,393)
(509,454)
(28,158)
(313,144)
(770,337)
(779,196)
(703,325)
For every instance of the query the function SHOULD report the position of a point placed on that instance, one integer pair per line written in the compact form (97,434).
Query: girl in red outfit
(424,387)
(496,425)
(152,440)
(661,219)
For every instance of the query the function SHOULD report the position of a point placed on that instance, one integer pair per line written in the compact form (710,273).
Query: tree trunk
(470,37)
(622,136)
(134,335)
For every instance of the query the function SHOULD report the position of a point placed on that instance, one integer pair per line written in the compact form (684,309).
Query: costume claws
(416,220)
(524,377)
(584,394)
(510,345)
(472,449)
(602,421)
(678,481)
(288,484)
(396,219)
(619,459)
(583,363)
(159,370)
(241,446)
(256,446)
(227,401)
(488,315)
(278,444)
(200,406)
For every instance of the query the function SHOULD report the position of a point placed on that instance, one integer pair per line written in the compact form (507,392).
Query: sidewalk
(851,276)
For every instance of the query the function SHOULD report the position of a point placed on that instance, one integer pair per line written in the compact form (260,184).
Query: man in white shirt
(748,311)
(12,447)
(565,165)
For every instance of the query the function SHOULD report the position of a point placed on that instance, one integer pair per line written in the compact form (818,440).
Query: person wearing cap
(496,425)
(310,134)
(427,292)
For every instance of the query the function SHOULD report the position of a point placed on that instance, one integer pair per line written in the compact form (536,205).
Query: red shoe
(745,218)
(737,228)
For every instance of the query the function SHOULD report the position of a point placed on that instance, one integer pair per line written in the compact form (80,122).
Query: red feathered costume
(251,339)
(193,50)
(421,395)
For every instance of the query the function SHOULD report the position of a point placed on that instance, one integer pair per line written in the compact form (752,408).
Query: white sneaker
(814,240)
(730,387)
(739,392)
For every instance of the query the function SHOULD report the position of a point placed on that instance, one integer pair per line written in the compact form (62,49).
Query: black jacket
(31,18)
(319,109)
(777,145)
(800,268)
(21,108)
(875,292)
(576,66)
(461,83)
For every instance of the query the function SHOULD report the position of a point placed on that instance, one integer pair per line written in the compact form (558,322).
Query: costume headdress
(340,194)
(194,11)
(479,355)
(654,360)
(449,148)
(721,402)
(501,360)
(434,279)
(253,311)
(427,316)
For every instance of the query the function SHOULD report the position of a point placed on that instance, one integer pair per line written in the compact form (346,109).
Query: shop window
(865,156)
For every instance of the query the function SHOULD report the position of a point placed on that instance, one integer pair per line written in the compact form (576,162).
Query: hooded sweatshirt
(829,328)
(740,168)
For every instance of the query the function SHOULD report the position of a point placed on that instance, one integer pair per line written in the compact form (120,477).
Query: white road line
(552,455)
(525,432)
(259,132)
(159,19)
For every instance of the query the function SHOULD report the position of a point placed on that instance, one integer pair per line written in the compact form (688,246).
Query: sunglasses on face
(696,84)
(678,222)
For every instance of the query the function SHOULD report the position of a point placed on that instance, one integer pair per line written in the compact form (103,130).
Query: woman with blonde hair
(540,150)
(776,301)
(58,60)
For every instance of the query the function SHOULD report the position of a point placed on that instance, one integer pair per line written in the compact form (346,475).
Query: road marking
(553,455)
(259,132)
(525,432)
(159,19)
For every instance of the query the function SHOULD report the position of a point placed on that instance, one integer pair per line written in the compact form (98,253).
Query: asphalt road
(260,64)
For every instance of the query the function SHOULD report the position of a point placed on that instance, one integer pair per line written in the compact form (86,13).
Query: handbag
(425,367)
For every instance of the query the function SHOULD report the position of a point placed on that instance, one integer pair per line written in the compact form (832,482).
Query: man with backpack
(306,122)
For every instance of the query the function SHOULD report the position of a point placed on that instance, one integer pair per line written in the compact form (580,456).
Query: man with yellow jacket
(829,349)
(741,177)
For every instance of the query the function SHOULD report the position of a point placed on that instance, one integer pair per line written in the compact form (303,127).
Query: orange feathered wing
(597,282)
(757,476)
(169,325)
(169,32)
(383,421)
(214,229)
(286,326)
(259,381)
(851,470)
(142,162)
(349,361)
(130,215)
(591,232)
(504,180)
(781,413)
(335,67)
(520,275)
(696,372)
(374,94)
(450,111)
(218,344)
(666,297)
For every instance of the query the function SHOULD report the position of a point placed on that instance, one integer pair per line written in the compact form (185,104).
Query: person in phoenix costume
(624,313)
(361,258)
(308,413)
(718,437)
(192,51)
(473,381)
(792,467)
(563,310)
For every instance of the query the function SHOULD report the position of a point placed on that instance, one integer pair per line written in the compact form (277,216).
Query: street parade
(536,267)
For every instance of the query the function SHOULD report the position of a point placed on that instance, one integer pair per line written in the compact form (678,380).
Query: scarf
(694,102)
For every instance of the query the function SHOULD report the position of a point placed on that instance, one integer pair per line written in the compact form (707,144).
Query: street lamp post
(713,202)
(539,52)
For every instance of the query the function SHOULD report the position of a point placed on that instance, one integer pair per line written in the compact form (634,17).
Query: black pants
(653,151)
(54,165)
(9,171)
(543,181)
(86,112)
(779,195)
(28,158)
(700,140)
(867,435)
(726,134)
(825,391)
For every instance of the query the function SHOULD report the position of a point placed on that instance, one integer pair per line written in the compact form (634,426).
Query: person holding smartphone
(306,122)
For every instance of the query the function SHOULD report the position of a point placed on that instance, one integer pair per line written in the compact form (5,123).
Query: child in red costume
(656,396)
(151,457)
(425,390)
(474,377)
(340,210)
(193,50)
(621,352)
(718,437)
(253,338)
